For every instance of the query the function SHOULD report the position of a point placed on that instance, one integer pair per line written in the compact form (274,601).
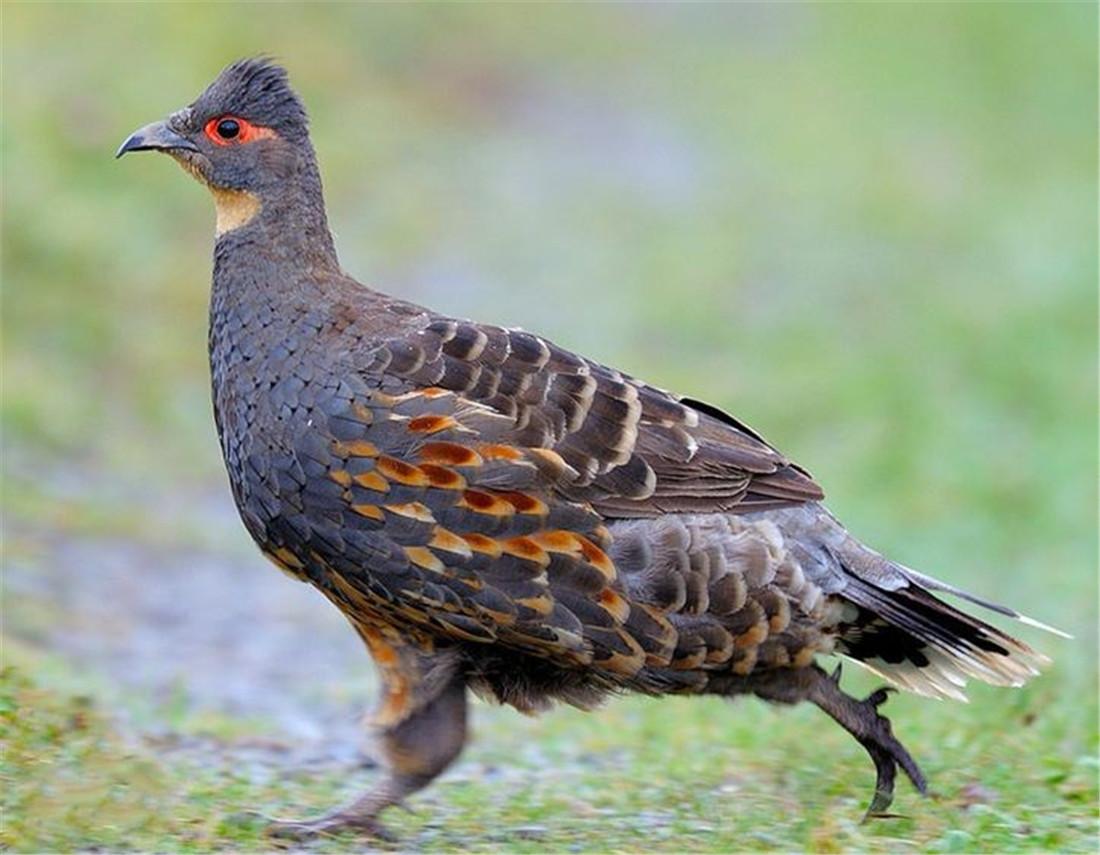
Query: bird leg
(860,718)
(417,739)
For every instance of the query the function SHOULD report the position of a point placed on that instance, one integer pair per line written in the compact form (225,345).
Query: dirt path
(173,636)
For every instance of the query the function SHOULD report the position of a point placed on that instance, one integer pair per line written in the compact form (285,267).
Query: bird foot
(876,736)
(329,825)
(873,732)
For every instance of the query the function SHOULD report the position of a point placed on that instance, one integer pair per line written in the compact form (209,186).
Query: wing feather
(471,468)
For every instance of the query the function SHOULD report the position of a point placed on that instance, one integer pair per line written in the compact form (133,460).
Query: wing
(629,449)
(459,484)
(405,510)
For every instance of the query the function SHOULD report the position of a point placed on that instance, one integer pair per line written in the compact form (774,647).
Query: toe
(329,826)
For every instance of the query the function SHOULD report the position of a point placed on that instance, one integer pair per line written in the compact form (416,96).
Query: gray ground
(182,630)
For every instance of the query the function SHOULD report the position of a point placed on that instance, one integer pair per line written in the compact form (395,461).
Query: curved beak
(155,137)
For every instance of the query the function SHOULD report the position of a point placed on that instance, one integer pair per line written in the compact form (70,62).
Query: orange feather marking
(430,392)
(380,650)
(486,503)
(396,705)
(752,636)
(372,511)
(449,542)
(596,557)
(431,423)
(745,661)
(449,454)
(354,448)
(412,510)
(526,504)
(615,605)
(362,412)
(402,472)
(622,663)
(803,658)
(286,561)
(551,457)
(381,399)
(483,544)
(690,661)
(527,549)
(497,451)
(287,557)
(372,481)
(341,477)
(442,477)
(558,541)
(421,556)
(541,604)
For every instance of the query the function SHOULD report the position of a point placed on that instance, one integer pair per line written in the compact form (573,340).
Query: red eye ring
(233,130)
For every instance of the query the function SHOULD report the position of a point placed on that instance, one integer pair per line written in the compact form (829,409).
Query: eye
(228,128)
(233,130)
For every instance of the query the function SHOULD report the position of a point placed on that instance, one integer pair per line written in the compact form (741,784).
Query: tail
(918,642)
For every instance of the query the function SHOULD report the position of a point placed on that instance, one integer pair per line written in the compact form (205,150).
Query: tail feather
(925,645)
(889,620)
(929,647)
(936,585)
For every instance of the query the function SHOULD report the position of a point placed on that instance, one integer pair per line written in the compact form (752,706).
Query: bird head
(246,138)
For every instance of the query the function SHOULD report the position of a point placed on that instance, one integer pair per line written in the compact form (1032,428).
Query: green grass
(676,775)
(870,231)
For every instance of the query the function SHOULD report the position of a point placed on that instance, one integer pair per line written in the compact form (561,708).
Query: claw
(878,697)
(835,676)
(886,772)
(873,732)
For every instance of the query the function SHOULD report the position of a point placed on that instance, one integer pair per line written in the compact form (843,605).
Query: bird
(496,515)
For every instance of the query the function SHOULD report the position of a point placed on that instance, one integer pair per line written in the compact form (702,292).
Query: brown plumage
(494,513)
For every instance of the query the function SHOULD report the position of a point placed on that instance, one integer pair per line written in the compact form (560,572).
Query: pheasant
(497,515)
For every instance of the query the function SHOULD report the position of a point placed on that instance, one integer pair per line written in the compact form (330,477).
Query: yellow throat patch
(234,208)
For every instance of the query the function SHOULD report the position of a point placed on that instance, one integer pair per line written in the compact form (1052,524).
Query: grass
(723,778)
(867,230)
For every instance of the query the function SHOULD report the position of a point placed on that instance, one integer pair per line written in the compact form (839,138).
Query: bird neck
(283,224)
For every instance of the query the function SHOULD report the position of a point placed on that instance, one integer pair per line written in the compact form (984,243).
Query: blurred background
(867,230)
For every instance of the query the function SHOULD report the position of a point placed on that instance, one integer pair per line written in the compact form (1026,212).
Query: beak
(155,137)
